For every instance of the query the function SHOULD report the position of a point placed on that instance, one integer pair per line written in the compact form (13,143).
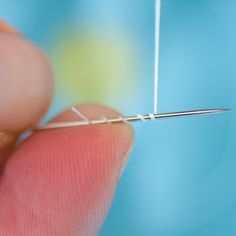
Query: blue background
(181,176)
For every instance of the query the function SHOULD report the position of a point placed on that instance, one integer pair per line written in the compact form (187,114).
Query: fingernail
(126,161)
(4,27)
(5,139)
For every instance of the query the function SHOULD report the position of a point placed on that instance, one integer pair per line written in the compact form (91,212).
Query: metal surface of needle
(134,118)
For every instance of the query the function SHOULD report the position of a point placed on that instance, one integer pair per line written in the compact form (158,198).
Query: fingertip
(74,171)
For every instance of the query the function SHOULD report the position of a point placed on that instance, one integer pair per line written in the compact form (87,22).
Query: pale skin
(57,182)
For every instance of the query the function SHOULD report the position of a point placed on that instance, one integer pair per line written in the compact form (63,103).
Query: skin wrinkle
(35,212)
(29,214)
(24,210)
(28,209)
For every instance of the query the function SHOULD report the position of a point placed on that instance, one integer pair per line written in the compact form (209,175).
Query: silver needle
(134,118)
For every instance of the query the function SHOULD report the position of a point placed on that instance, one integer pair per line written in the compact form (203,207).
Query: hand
(57,182)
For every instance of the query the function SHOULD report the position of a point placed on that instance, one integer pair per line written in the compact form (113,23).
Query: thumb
(61,182)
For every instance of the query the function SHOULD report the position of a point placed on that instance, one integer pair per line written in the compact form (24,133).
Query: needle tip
(223,110)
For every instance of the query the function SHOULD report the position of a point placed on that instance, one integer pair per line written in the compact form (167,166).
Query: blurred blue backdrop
(181,176)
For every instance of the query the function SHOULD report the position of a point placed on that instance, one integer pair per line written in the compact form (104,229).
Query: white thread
(156,57)
(105,119)
(78,113)
(141,117)
(152,116)
(124,119)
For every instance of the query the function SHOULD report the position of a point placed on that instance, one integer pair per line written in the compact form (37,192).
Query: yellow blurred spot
(93,69)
